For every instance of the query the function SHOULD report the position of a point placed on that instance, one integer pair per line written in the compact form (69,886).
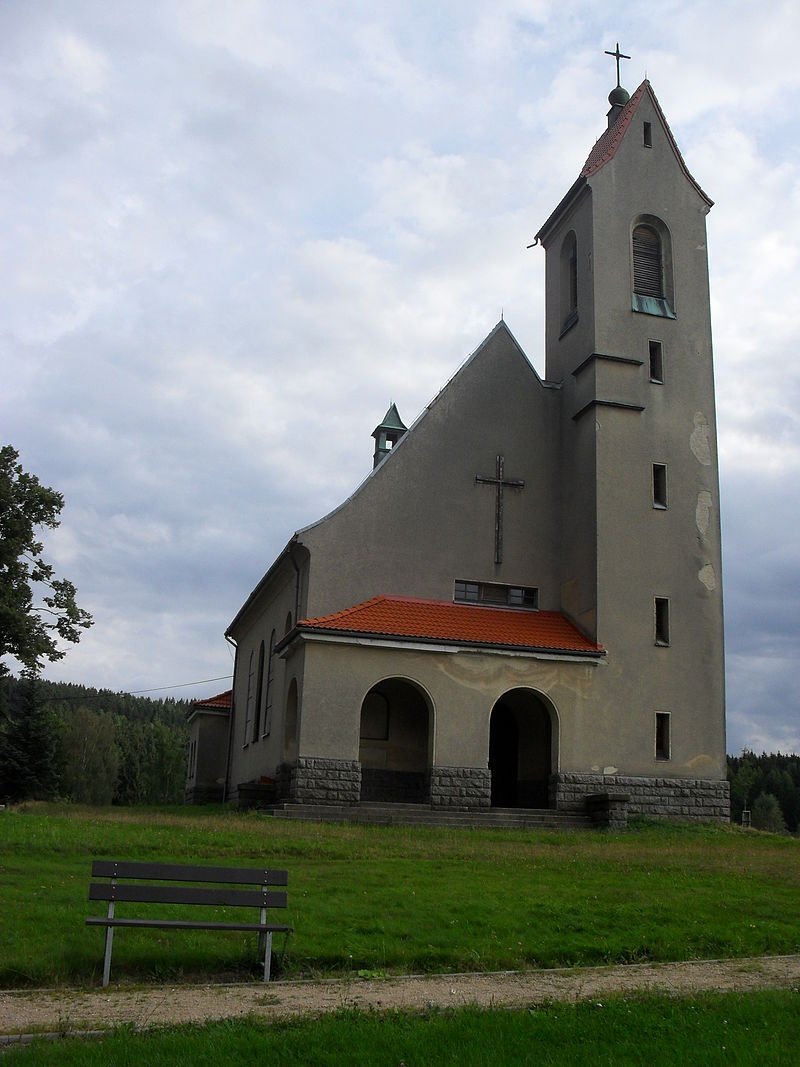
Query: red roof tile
(468,624)
(608,142)
(221,700)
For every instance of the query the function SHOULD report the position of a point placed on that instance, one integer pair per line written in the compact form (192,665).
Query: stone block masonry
(324,781)
(461,787)
(698,799)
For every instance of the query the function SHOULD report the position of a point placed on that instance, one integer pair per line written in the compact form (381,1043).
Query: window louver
(647,274)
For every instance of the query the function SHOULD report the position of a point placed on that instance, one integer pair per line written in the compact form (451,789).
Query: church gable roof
(408,618)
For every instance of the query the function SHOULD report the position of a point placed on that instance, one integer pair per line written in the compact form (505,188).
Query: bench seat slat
(181,872)
(188,924)
(185,894)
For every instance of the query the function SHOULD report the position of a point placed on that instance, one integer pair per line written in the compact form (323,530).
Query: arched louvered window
(648,269)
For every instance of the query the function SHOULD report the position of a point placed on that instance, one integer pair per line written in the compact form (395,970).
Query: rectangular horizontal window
(497,595)
(662,620)
(659,485)
(663,740)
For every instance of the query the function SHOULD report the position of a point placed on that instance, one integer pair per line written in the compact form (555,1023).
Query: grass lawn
(756,1028)
(399,900)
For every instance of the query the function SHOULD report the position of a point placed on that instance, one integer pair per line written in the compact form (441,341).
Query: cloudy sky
(232,233)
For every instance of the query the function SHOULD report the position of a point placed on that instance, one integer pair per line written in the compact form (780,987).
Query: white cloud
(238,232)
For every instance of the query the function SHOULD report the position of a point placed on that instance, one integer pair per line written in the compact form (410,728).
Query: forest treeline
(60,741)
(768,786)
(94,746)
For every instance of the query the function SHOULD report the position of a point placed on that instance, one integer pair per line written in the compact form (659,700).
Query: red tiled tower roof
(440,622)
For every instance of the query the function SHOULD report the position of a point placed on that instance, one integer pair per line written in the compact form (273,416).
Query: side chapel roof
(219,703)
(408,618)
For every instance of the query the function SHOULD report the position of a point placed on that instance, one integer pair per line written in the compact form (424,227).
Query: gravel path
(64,1011)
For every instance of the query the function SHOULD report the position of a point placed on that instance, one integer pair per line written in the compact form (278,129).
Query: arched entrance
(521,748)
(394,744)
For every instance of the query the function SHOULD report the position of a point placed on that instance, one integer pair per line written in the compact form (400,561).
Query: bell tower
(628,337)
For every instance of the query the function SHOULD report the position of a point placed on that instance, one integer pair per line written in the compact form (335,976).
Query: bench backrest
(129,882)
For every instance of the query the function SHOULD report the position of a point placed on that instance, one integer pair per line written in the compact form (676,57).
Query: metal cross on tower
(618,56)
(500,483)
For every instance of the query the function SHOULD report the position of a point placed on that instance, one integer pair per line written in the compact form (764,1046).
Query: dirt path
(59,1011)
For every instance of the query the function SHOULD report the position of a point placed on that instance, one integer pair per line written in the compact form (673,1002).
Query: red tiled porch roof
(437,621)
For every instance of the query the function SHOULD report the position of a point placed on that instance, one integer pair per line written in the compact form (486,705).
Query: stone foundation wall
(204,794)
(324,781)
(394,787)
(662,798)
(461,787)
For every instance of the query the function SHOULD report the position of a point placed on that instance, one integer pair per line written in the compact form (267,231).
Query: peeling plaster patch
(708,577)
(610,770)
(700,438)
(702,513)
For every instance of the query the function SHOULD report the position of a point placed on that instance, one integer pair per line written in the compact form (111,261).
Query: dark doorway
(520,750)
(503,756)
(394,743)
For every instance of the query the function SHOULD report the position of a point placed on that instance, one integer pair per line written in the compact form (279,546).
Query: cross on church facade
(500,483)
(618,56)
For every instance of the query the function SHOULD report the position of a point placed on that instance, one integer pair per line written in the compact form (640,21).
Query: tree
(28,764)
(90,757)
(767,814)
(29,630)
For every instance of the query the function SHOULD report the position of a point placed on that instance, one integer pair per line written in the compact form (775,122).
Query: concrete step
(424,815)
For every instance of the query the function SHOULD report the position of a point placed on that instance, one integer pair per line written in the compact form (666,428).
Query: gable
(420,520)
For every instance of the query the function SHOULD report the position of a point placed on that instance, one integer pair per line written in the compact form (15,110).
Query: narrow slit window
(270,694)
(662,620)
(656,361)
(663,741)
(251,696)
(647,130)
(659,485)
(259,693)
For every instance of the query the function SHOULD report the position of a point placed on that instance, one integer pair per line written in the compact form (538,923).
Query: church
(521,604)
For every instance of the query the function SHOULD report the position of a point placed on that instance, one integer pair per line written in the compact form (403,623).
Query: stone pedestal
(608,809)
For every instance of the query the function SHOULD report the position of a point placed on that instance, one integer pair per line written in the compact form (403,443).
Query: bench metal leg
(109,944)
(267,956)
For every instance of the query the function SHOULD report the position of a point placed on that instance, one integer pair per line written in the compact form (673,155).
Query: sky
(233,233)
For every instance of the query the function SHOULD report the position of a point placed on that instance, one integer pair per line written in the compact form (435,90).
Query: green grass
(399,900)
(732,1028)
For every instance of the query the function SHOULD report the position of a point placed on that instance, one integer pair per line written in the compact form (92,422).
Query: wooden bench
(146,883)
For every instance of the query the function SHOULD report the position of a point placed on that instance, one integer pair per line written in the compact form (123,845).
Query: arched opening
(522,742)
(394,743)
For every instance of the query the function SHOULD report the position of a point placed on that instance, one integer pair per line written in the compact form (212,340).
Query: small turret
(387,433)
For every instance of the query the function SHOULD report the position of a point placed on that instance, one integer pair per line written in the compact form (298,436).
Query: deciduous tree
(36,608)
